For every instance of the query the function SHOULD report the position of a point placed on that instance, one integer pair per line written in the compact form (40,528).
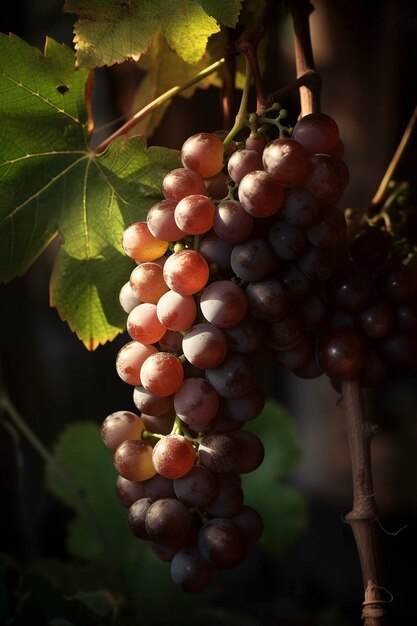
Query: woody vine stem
(364,514)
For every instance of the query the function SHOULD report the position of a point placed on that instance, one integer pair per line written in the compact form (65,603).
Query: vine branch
(379,196)
(168,95)
(309,94)
(364,513)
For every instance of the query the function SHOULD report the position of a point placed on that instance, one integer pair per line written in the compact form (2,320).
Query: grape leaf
(52,182)
(109,31)
(187,28)
(226,13)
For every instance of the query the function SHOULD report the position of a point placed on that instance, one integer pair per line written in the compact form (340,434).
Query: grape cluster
(373,303)
(245,254)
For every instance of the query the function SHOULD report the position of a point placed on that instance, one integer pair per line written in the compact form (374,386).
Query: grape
(297,355)
(268,301)
(233,377)
(259,194)
(351,289)
(328,178)
(220,424)
(399,282)
(171,341)
(127,298)
(319,263)
(143,324)
(203,153)
(374,371)
(287,161)
(295,281)
(252,260)
(231,222)
(196,402)
(190,570)
(147,282)
(161,221)
(330,228)
(228,500)
(216,251)
(246,407)
(197,488)
(128,491)
(120,426)
(136,518)
(377,320)
(162,374)
(300,208)
(223,304)
(245,337)
(317,132)
(216,186)
(130,359)
(219,452)
(314,313)
(339,150)
(176,312)
(256,142)
(309,369)
(370,247)
(173,456)
(205,346)
(243,162)
(133,460)
(148,403)
(407,317)
(342,353)
(180,183)
(140,245)
(287,332)
(287,241)
(167,521)
(221,543)
(158,487)
(194,214)
(186,272)
(251,449)
(250,524)
(161,424)
(400,350)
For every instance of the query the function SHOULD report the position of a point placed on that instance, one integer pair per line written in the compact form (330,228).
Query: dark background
(367,55)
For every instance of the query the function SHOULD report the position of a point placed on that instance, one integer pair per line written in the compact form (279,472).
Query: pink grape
(133,460)
(194,214)
(173,456)
(260,194)
(203,153)
(161,221)
(176,312)
(196,402)
(205,346)
(223,304)
(180,183)
(143,324)
(186,272)
(120,426)
(162,374)
(147,282)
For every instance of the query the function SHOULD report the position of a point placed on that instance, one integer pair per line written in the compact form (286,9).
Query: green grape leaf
(187,28)
(283,508)
(109,31)
(226,13)
(52,182)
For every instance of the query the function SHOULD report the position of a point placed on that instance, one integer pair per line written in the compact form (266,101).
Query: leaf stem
(168,95)
(379,196)
(241,117)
